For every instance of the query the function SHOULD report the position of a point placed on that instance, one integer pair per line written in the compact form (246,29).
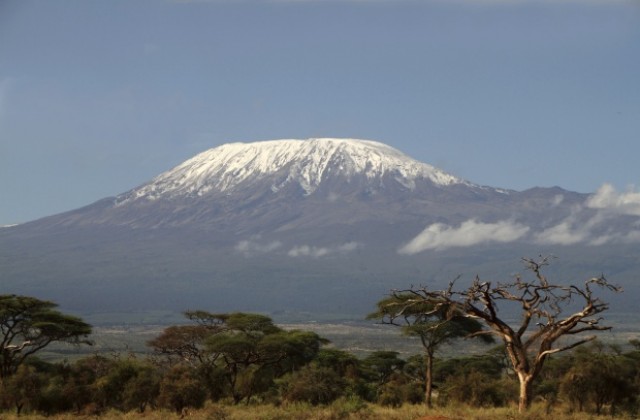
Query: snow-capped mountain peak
(305,162)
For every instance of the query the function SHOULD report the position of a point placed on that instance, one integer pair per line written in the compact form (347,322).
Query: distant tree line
(243,358)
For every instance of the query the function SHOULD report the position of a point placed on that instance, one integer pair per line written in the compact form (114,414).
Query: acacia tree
(246,351)
(28,325)
(544,318)
(601,375)
(435,325)
(253,351)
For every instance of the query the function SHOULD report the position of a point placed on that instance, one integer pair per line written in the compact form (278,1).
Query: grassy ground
(341,410)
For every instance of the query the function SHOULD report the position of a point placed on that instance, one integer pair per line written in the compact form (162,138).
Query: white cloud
(626,238)
(557,200)
(348,247)
(439,236)
(252,246)
(608,199)
(574,229)
(561,234)
(606,203)
(632,237)
(308,251)
(317,252)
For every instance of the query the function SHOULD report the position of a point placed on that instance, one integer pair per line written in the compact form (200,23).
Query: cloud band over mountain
(439,236)
(587,225)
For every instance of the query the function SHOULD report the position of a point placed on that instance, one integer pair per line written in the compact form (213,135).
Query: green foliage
(23,389)
(228,358)
(245,351)
(343,362)
(435,321)
(312,384)
(380,365)
(490,364)
(398,390)
(129,385)
(385,371)
(478,389)
(351,407)
(182,387)
(479,381)
(600,378)
(27,325)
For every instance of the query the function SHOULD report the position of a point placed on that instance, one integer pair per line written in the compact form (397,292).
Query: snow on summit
(305,162)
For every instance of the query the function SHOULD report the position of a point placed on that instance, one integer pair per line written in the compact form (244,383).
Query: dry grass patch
(341,410)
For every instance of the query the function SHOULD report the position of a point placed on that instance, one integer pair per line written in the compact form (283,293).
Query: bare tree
(548,313)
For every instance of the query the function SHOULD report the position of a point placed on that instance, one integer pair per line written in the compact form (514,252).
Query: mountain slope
(301,225)
(270,185)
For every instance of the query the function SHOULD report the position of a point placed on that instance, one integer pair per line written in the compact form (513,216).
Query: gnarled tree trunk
(525,392)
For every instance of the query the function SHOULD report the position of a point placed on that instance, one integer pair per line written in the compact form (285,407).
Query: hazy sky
(98,97)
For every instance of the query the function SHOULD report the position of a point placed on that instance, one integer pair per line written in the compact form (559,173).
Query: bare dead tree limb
(543,319)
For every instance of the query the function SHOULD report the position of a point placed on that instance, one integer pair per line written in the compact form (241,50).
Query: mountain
(318,225)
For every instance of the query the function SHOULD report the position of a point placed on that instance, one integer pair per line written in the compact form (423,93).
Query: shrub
(312,384)
(181,388)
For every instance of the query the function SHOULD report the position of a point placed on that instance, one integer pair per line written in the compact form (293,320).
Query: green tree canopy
(435,323)
(28,325)
(245,350)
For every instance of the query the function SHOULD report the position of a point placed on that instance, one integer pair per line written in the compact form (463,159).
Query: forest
(223,365)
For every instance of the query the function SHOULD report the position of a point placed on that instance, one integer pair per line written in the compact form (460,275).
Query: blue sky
(97,97)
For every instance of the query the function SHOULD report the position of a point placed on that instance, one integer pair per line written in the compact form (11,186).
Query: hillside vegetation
(243,365)
(239,366)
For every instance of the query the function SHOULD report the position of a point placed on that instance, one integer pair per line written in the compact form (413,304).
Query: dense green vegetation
(433,323)
(213,364)
(219,362)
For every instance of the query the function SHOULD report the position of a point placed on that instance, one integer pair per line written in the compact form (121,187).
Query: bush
(312,384)
(347,407)
(182,388)
(477,389)
(398,390)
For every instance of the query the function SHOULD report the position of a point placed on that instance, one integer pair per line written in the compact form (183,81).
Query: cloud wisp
(607,198)
(592,223)
(607,203)
(317,252)
(253,246)
(439,236)
(595,222)
(564,233)
(590,233)
(308,251)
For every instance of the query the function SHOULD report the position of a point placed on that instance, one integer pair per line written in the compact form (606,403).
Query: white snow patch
(304,162)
